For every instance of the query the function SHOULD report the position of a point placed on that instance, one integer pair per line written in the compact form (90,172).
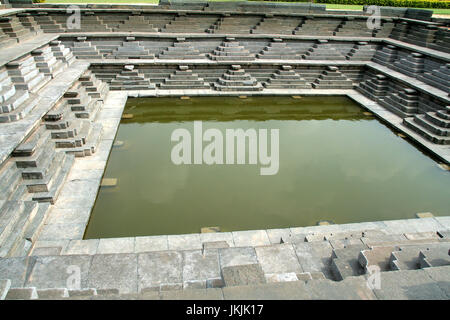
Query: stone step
(345,262)
(37,173)
(5,285)
(21,111)
(23,246)
(44,184)
(16,240)
(437,119)
(37,158)
(13,223)
(52,195)
(399,108)
(378,257)
(423,122)
(239,275)
(57,112)
(15,101)
(92,142)
(22,294)
(74,136)
(407,257)
(35,140)
(435,256)
(10,179)
(410,123)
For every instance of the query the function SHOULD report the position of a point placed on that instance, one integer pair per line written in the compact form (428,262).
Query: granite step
(53,193)
(23,247)
(13,240)
(39,137)
(46,182)
(5,285)
(345,262)
(424,122)
(10,179)
(37,158)
(92,142)
(410,123)
(435,256)
(13,220)
(38,173)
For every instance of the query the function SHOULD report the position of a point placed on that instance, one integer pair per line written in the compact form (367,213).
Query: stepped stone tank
(62,93)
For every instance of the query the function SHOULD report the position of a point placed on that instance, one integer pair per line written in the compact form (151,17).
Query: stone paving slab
(115,245)
(409,285)
(230,257)
(273,291)
(160,270)
(442,277)
(270,257)
(56,271)
(184,242)
(62,231)
(85,247)
(151,243)
(351,288)
(193,294)
(114,271)
(16,270)
(201,269)
(217,236)
(250,238)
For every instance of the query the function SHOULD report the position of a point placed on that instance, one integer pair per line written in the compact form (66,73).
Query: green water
(335,163)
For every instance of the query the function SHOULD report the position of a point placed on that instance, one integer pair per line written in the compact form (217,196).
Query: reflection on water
(336,163)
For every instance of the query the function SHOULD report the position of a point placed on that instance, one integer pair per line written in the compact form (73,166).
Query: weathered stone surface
(154,243)
(278,259)
(410,285)
(351,288)
(5,284)
(81,247)
(250,238)
(237,256)
(162,269)
(193,294)
(22,294)
(16,269)
(52,294)
(114,271)
(54,272)
(116,245)
(201,269)
(184,242)
(271,291)
(243,275)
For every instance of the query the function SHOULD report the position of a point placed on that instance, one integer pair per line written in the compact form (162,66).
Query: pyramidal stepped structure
(184,78)
(130,79)
(236,79)
(286,78)
(231,50)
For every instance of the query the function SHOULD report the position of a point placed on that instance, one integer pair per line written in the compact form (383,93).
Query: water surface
(337,163)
